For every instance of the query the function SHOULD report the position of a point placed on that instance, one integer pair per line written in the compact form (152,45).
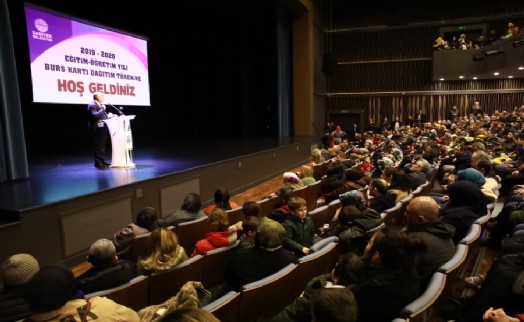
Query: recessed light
(521,68)
(510,76)
(461,77)
(441,79)
(496,73)
(475,77)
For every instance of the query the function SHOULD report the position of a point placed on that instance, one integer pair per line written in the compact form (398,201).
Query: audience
(146,221)
(466,204)
(300,232)
(252,208)
(190,210)
(281,209)
(249,229)
(221,234)
(16,272)
(163,251)
(389,280)
(380,197)
(423,221)
(341,277)
(307,175)
(107,270)
(53,296)
(221,198)
(248,265)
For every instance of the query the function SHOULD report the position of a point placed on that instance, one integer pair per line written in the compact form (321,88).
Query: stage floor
(55,179)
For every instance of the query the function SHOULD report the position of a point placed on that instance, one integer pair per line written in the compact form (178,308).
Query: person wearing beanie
(248,265)
(53,296)
(16,272)
(291,179)
(107,270)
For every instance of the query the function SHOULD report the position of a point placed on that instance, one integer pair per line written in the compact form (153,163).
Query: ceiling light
(496,73)
(461,77)
(475,77)
(493,52)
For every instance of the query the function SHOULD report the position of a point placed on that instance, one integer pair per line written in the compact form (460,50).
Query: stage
(66,194)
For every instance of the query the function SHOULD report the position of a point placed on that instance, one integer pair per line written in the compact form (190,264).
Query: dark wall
(212,72)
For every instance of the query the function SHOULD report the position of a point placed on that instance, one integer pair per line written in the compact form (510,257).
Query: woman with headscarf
(473,175)
(466,204)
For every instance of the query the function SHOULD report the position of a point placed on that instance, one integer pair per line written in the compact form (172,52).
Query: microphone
(118,110)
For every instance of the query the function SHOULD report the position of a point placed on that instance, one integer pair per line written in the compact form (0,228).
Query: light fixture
(475,77)
(496,74)
(521,68)
(461,76)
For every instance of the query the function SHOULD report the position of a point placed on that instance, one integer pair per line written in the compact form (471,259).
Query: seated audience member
(221,234)
(473,175)
(300,232)
(399,182)
(381,198)
(291,179)
(389,275)
(484,166)
(188,314)
(335,304)
(466,204)
(307,175)
(53,296)
(190,210)
(362,221)
(107,270)
(221,198)
(423,221)
(344,275)
(251,208)
(417,173)
(16,272)
(248,265)
(249,229)
(503,287)
(146,221)
(281,209)
(334,178)
(163,251)
(355,180)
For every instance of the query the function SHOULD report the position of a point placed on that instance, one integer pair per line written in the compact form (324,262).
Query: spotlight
(493,52)
(518,43)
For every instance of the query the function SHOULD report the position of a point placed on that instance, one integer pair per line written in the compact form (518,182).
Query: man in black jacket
(107,271)
(423,221)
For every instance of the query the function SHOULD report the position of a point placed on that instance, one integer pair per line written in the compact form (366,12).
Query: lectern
(121,141)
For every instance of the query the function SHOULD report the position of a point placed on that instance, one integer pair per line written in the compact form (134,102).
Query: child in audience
(251,208)
(221,233)
(300,232)
(249,227)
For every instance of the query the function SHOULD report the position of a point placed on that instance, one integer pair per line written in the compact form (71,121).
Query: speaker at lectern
(121,141)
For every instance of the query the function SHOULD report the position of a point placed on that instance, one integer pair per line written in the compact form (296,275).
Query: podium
(121,141)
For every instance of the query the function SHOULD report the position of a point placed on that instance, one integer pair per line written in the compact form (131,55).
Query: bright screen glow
(71,60)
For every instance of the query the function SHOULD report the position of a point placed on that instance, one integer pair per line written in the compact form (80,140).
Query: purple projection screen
(71,60)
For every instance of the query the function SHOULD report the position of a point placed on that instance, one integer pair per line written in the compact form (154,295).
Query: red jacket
(214,240)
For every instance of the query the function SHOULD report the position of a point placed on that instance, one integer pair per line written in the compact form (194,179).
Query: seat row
(447,281)
(267,297)
(277,290)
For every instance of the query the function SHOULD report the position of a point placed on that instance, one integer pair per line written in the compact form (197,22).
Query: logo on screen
(41,25)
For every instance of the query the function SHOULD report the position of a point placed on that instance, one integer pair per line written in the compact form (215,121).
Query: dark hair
(285,193)
(348,214)
(250,223)
(400,180)
(251,208)
(485,165)
(333,304)
(221,198)
(192,202)
(396,249)
(147,218)
(348,268)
